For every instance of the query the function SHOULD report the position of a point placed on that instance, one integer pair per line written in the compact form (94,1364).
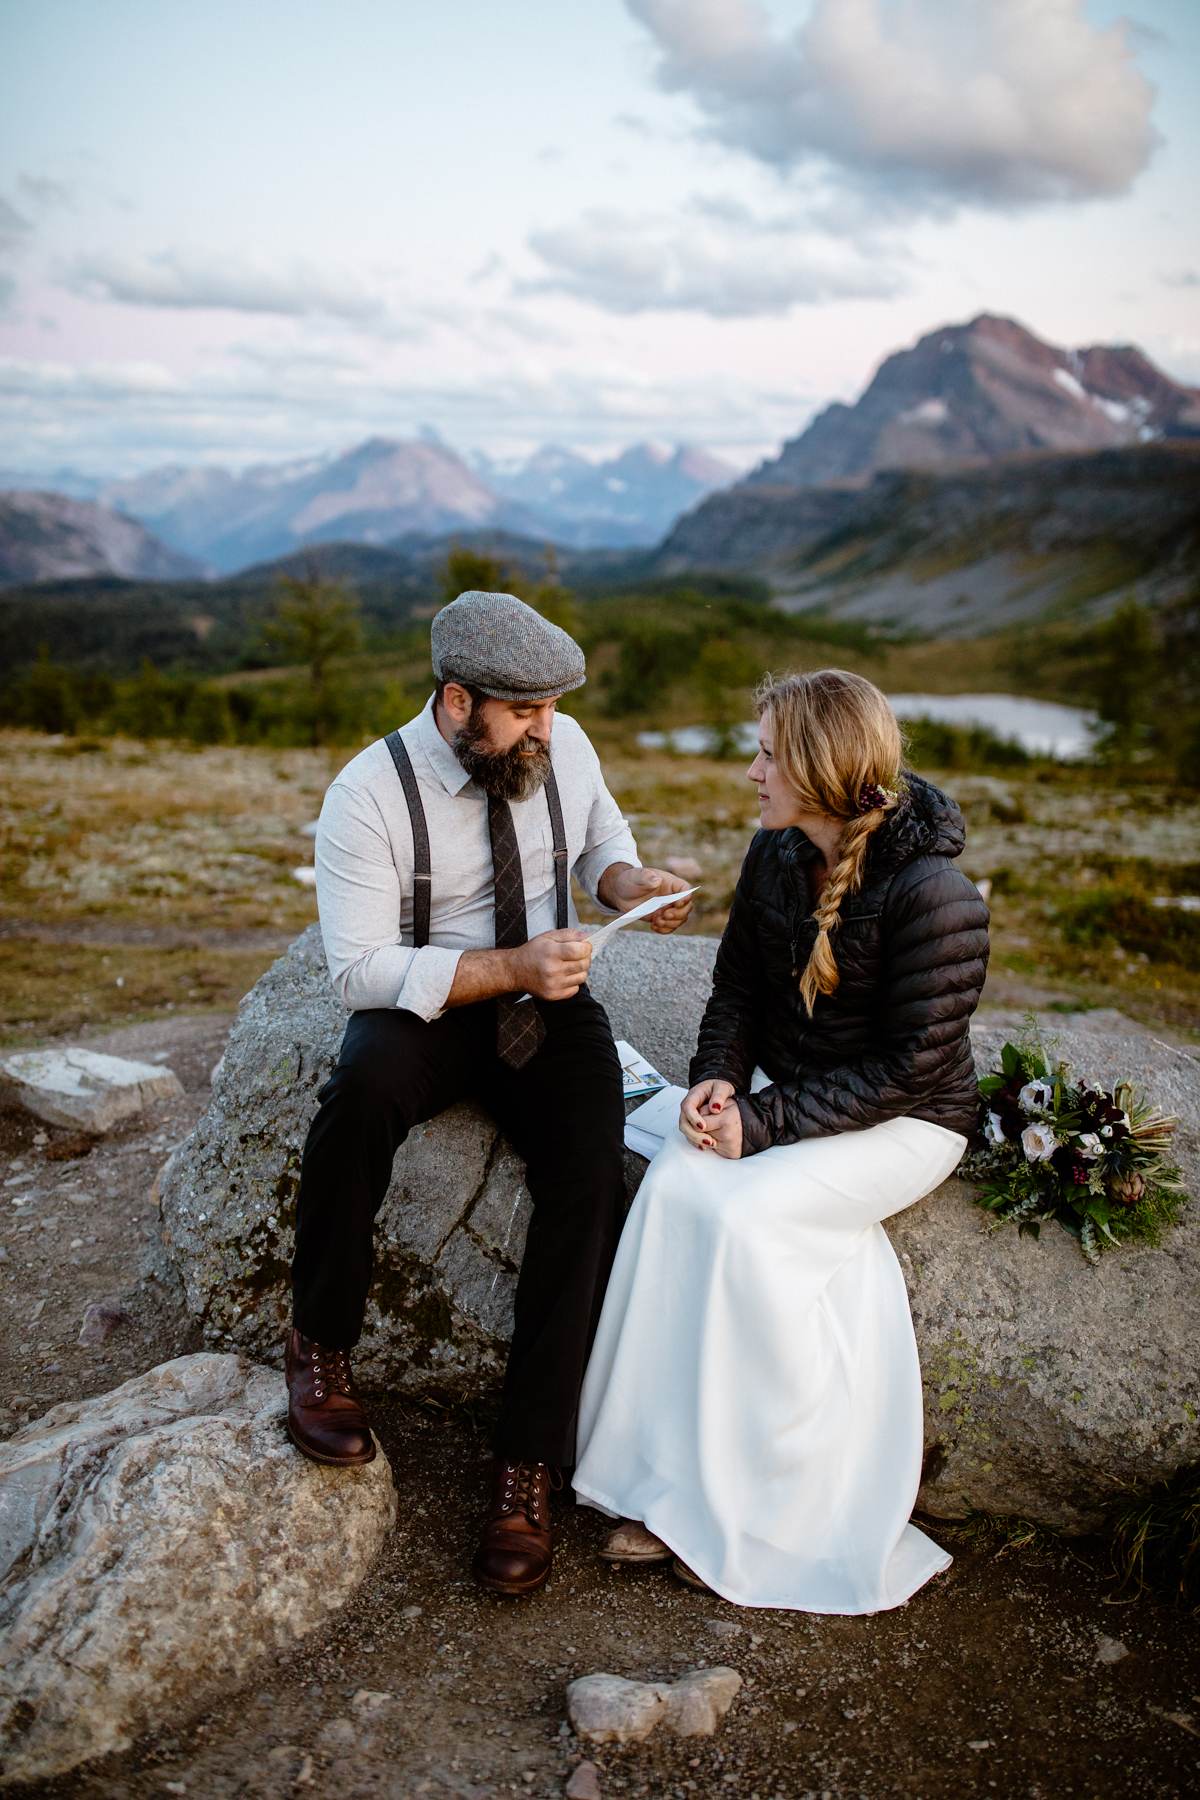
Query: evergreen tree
(314,623)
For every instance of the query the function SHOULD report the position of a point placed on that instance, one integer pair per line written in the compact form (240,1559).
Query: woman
(753,1401)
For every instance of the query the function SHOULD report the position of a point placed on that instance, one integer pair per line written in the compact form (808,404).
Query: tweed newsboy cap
(498,644)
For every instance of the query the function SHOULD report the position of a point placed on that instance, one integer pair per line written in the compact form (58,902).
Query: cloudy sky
(252,229)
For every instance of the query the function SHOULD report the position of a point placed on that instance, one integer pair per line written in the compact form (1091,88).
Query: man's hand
(623,887)
(553,965)
(707,1109)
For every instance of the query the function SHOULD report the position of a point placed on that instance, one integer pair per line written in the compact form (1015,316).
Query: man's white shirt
(364,863)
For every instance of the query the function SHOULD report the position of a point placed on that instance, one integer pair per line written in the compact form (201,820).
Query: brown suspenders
(422,868)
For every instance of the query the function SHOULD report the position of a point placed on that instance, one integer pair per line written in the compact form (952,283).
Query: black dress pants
(563,1113)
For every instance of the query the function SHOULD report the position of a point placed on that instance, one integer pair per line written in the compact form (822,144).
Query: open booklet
(648,1126)
(638,1077)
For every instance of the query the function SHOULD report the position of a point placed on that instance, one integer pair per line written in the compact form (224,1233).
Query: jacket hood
(926,823)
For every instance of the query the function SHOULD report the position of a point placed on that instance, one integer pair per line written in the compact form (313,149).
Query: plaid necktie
(519,1025)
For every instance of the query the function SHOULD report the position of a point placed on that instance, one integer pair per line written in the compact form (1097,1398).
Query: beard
(513,774)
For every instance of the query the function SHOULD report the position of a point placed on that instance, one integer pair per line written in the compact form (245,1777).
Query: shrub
(1113,914)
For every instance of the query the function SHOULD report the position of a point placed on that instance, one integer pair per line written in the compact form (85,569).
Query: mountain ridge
(47,536)
(383,487)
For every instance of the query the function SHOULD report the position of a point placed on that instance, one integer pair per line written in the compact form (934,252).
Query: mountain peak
(970,393)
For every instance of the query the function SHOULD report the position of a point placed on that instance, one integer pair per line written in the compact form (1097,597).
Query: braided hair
(839,747)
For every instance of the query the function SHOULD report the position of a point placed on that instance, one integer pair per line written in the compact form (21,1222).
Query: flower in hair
(871,796)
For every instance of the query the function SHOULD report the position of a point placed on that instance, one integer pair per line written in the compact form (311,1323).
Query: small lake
(1041,727)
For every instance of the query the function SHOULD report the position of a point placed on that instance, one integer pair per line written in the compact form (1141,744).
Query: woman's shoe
(630,1542)
(688,1576)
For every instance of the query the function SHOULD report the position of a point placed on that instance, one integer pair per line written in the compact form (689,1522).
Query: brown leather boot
(516,1545)
(325,1415)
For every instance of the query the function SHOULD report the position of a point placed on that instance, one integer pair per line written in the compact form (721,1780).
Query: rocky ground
(1020,1671)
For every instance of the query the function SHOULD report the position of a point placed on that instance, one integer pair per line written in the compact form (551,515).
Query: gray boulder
(451,1231)
(1051,1388)
(154,1543)
(1054,1389)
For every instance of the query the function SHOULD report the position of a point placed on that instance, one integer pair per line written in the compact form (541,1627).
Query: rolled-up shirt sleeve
(358,898)
(609,839)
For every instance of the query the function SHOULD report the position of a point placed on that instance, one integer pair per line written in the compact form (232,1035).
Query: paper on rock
(647,1126)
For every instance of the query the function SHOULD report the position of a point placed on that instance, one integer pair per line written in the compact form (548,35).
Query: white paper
(647,1126)
(600,934)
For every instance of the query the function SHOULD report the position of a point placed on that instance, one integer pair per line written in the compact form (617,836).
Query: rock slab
(154,1543)
(83,1089)
(608,1709)
(1052,1389)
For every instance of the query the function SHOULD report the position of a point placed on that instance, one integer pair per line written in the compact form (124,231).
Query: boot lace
(331,1369)
(527,1488)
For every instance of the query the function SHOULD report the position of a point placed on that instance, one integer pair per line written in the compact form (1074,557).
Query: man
(442,863)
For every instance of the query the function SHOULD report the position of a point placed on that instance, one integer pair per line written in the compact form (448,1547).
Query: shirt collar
(438,754)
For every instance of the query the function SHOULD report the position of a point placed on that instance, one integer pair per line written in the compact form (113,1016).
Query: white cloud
(25,379)
(1002,103)
(124,418)
(717,258)
(187,280)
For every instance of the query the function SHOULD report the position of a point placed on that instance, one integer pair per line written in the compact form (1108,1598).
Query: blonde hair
(834,734)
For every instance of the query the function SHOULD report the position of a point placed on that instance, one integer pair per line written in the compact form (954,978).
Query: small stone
(726,1628)
(584,1783)
(411,1612)
(1110,1650)
(696,1703)
(608,1709)
(100,1320)
(3,1254)
(368,1702)
(981,1744)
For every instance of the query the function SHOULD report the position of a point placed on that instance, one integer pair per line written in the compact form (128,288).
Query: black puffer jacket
(911,950)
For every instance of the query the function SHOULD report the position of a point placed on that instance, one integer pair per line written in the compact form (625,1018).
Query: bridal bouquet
(1057,1148)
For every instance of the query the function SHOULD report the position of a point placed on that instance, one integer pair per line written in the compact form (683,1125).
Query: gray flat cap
(497,643)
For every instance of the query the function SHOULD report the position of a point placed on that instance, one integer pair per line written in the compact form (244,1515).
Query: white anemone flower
(1035,1096)
(993,1131)
(1091,1146)
(1038,1142)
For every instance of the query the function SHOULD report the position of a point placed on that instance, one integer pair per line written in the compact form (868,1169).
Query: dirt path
(1012,1674)
(159,937)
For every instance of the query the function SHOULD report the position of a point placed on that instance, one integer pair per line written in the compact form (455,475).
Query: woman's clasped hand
(709,1119)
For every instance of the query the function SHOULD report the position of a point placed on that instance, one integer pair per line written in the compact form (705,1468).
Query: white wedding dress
(753,1394)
